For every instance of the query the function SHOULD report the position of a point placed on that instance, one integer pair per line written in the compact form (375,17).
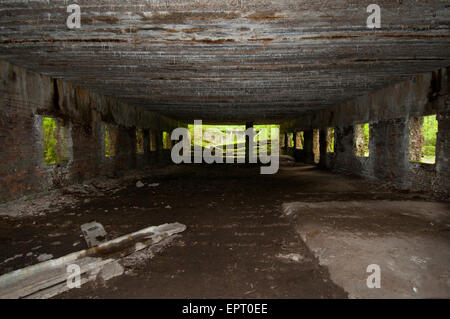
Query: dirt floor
(237,244)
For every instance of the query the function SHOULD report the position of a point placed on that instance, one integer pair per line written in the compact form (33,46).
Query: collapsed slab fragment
(93,233)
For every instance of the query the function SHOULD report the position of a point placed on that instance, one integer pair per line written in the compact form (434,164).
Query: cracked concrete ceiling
(228,60)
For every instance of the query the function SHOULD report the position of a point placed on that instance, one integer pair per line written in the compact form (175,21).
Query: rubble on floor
(71,196)
(51,277)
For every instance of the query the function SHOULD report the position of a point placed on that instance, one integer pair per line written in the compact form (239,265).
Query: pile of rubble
(71,196)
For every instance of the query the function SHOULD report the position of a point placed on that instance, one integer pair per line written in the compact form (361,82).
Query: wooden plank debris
(49,278)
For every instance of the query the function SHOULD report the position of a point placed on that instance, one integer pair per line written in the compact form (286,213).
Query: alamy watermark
(74,276)
(374,280)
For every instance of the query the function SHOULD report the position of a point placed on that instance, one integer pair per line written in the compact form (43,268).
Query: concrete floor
(240,244)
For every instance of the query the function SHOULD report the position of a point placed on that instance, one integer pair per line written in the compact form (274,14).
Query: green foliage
(361,140)
(108,152)
(49,128)
(330,140)
(239,143)
(429,129)
(164,137)
(110,141)
(291,140)
(139,141)
(365,131)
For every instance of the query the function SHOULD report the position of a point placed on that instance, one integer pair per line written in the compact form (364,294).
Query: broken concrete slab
(49,278)
(291,257)
(44,257)
(139,184)
(93,233)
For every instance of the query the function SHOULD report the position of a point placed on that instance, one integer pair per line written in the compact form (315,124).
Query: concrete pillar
(344,147)
(248,125)
(296,144)
(147,149)
(125,148)
(308,147)
(443,152)
(158,152)
(286,142)
(323,162)
(316,145)
(389,150)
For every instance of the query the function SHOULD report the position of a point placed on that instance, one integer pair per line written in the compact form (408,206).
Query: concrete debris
(291,257)
(74,195)
(140,258)
(44,257)
(111,270)
(12,258)
(56,234)
(93,233)
(139,184)
(49,278)
(288,209)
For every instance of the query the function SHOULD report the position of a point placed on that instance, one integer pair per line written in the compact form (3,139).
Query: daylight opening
(291,140)
(361,140)
(139,141)
(57,141)
(299,140)
(167,142)
(262,142)
(330,140)
(153,140)
(110,141)
(422,139)
(316,146)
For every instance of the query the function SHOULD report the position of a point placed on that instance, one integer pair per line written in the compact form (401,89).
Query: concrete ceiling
(228,60)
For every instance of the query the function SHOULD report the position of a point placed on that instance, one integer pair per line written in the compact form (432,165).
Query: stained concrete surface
(408,240)
(237,243)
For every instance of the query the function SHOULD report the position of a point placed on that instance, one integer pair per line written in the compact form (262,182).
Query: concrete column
(286,142)
(443,152)
(295,140)
(316,145)
(344,147)
(389,150)
(323,162)
(248,125)
(147,150)
(125,148)
(308,147)
(158,146)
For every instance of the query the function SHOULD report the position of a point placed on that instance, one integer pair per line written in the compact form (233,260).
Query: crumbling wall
(27,96)
(390,113)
